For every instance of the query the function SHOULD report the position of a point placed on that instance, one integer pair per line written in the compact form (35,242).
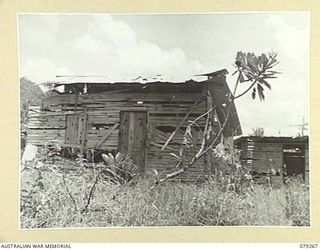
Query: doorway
(72,134)
(294,160)
(132,136)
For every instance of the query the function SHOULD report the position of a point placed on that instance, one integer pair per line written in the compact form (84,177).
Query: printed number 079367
(309,246)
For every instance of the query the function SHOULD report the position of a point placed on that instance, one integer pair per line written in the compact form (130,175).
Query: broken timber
(115,126)
(91,114)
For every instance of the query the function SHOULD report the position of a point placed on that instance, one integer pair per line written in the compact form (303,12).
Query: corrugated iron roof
(67,80)
(103,79)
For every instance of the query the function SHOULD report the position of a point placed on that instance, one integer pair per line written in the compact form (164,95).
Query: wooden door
(132,136)
(72,129)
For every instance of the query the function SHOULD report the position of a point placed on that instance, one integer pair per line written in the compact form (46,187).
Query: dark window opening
(102,126)
(166,129)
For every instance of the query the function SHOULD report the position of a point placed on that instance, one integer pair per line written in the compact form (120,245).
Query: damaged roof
(158,84)
(215,73)
(102,79)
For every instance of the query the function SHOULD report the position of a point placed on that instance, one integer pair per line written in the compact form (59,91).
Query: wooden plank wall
(45,126)
(260,157)
(164,110)
(268,155)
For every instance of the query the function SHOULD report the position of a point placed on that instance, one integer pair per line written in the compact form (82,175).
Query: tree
(30,94)
(256,70)
(259,132)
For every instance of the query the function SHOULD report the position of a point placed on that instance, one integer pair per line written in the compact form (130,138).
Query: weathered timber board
(71,98)
(132,136)
(163,110)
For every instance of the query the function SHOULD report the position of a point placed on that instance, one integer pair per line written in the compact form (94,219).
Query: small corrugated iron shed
(286,156)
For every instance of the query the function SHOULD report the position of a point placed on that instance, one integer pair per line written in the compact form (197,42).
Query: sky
(177,46)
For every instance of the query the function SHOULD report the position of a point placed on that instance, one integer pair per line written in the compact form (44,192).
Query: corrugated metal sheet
(67,80)
(92,79)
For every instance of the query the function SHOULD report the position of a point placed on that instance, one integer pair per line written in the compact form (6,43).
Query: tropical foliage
(257,70)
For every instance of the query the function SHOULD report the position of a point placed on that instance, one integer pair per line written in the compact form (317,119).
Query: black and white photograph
(150,120)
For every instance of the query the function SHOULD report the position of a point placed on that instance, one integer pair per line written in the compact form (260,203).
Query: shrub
(65,194)
(119,168)
(298,203)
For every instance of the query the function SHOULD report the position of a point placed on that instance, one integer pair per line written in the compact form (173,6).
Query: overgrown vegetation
(56,192)
(256,70)
(67,193)
(30,94)
(259,132)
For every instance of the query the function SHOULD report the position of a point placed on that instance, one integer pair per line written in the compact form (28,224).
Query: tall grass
(48,201)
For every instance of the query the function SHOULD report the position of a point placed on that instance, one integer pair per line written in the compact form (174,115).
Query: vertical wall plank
(132,136)
(72,129)
(84,130)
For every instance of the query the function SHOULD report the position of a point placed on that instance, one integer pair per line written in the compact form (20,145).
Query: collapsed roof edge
(103,79)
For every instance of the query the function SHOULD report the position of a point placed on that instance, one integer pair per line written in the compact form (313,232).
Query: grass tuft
(46,203)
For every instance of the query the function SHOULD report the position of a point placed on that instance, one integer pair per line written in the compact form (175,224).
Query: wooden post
(84,131)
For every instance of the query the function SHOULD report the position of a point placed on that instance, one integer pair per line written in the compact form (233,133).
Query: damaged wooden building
(134,117)
(285,156)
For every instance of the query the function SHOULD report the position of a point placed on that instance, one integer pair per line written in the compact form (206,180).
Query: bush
(67,193)
(45,202)
(298,203)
